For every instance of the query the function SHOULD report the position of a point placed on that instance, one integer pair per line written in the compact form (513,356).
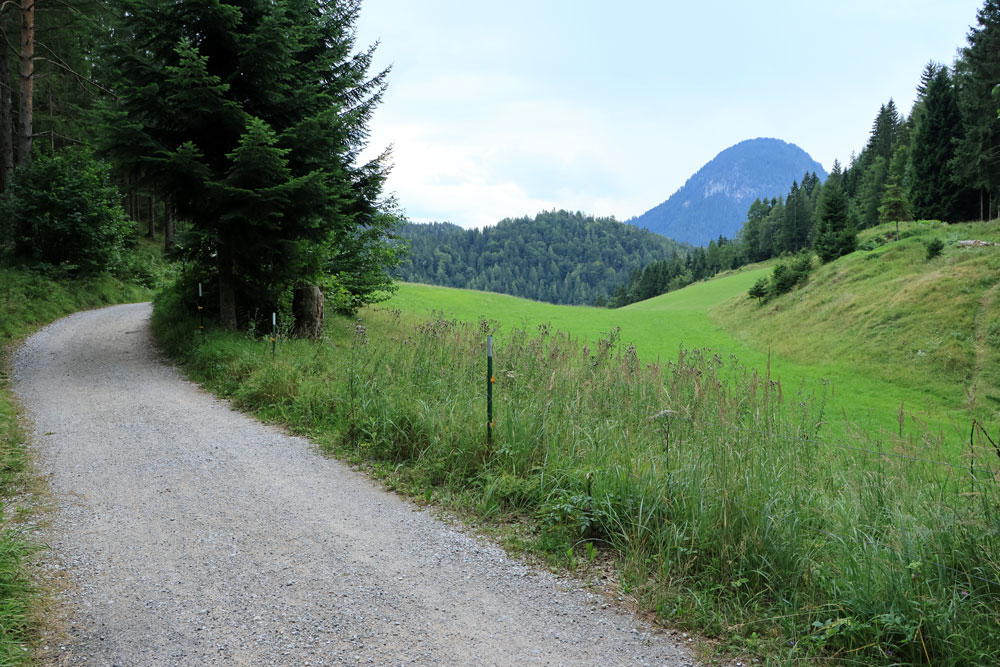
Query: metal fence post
(489,390)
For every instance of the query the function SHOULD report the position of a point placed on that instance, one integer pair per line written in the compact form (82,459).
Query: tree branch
(58,62)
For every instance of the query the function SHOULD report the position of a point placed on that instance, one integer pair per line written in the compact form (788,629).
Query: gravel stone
(191,534)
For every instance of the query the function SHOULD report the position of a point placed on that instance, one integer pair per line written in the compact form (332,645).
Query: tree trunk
(152,217)
(27,90)
(227,291)
(307,306)
(6,116)
(127,201)
(168,225)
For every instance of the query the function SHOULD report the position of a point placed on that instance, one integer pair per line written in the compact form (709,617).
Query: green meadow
(869,377)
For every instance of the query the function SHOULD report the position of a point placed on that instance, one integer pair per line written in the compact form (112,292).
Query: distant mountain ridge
(714,201)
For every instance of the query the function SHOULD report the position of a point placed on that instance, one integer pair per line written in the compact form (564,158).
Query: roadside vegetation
(709,483)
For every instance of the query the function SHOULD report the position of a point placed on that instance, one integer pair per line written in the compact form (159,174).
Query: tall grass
(705,479)
(29,299)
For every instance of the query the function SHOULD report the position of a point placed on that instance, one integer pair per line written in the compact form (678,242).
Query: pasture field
(929,328)
(714,315)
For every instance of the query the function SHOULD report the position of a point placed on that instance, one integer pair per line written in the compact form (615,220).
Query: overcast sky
(504,109)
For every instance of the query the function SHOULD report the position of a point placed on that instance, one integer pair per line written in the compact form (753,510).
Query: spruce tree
(250,115)
(797,221)
(926,76)
(976,163)
(834,234)
(894,205)
(933,192)
(873,185)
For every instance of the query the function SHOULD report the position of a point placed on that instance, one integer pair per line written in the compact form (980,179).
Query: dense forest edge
(556,257)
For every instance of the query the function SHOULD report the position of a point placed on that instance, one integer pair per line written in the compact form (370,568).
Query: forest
(232,129)
(557,256)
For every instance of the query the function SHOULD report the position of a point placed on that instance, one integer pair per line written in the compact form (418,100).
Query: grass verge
(29,300)
(706,481)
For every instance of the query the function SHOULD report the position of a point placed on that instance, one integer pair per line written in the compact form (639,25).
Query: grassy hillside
(909,352)
(890,314)
(27,301)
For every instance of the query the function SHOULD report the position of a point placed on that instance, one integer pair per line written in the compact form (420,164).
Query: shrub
(62,210)
(759,290)
(934,248)
(784,278)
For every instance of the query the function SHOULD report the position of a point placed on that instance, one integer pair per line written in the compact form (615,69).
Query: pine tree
(872,188)
(933,192)
(885,132)
(752,232)
(46,75)
(976,163)
(926,76)
(251,115)
(834,235)
(894,206)
(795,225)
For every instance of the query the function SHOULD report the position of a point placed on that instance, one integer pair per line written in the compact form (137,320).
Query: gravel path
(194,535)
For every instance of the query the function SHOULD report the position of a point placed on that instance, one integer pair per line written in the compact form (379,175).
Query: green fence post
(489,390)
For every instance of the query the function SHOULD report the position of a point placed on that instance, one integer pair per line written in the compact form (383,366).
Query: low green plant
(934,247)
(783,279)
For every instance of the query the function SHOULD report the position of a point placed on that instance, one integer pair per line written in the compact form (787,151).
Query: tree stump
(307,307)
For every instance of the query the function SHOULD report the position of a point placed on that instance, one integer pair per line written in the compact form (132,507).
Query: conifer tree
(251,114)
(872,187)
(976,163)
(926,76)
(834,234)
(794,232)
(933,192)
(894,206)
(885,132)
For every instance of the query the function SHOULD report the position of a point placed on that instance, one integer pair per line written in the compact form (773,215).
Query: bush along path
(195,535)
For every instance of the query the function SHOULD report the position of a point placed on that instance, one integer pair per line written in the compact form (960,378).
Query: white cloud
(498,112)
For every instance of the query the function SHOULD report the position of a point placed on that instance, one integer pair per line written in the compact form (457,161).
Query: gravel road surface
(193,535)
